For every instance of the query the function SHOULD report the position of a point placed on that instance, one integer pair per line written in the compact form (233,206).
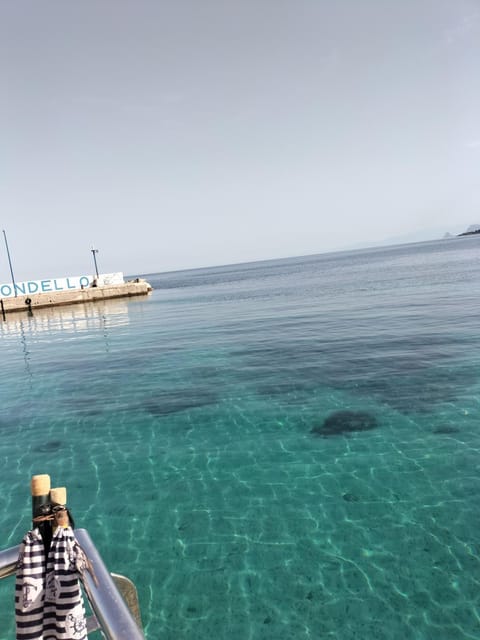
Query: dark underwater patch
(350,497)
(179,400)
(84,407)
(48,447)
(407,374)
(446,430)
(284,387)
(341,422)
(4,424)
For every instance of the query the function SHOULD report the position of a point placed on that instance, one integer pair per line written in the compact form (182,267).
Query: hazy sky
(198,132)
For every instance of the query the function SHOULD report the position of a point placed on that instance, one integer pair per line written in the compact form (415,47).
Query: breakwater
(30,302)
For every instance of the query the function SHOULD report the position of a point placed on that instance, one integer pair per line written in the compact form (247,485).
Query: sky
(190,133)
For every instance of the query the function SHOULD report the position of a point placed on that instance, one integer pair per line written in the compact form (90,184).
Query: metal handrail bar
(8,561)
(106,601)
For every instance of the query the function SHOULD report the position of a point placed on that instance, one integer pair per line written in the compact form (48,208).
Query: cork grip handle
(40,485)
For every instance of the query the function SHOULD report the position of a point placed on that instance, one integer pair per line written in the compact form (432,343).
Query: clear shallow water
(180,424)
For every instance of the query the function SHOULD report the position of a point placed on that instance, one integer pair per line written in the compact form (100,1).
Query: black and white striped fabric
(48,598)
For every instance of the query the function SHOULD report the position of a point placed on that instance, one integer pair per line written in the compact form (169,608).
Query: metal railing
(8,561)
(111,614)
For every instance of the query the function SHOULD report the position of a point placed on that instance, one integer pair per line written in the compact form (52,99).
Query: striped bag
(48,598)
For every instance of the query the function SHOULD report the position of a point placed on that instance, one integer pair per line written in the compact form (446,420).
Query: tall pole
(10,263)
(94,251)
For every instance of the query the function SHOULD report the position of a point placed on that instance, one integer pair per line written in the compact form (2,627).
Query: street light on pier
(10,263)
(95,251)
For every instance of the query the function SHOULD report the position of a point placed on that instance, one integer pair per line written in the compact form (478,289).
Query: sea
(278,450)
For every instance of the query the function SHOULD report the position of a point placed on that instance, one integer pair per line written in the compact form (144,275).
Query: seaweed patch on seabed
(446,430)
(282,388)
(4,424)
(85,407)
(342,422)
(48,447)
(179,401)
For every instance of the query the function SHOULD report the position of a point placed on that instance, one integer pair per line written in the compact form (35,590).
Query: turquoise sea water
(181,425)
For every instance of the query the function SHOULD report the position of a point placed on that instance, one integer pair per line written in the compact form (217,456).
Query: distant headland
(472,230)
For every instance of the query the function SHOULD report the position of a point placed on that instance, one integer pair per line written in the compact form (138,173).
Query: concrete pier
(24,303)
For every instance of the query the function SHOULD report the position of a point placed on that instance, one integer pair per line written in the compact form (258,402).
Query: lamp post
(10,263)
(95,251)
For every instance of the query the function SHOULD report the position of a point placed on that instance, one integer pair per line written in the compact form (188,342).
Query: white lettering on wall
(30,287)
